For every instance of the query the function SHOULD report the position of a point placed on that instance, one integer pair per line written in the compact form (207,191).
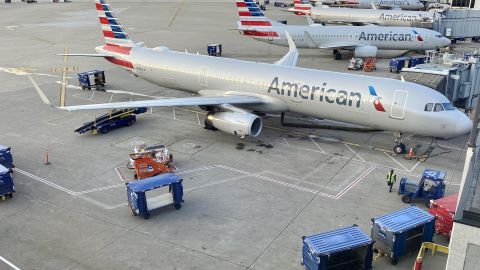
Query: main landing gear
(400,147)
(337,54)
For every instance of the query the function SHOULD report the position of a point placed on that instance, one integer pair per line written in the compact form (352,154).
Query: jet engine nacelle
(236,123)
(366,51)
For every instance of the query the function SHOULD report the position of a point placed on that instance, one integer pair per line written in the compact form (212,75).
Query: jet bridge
(457,76)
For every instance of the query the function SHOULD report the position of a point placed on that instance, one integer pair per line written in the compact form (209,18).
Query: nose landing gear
(400,147)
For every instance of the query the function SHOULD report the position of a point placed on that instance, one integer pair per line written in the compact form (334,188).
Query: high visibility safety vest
(391,178)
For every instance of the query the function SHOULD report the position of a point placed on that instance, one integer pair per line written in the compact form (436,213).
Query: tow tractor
(430,187)
(151,161)
(111,120)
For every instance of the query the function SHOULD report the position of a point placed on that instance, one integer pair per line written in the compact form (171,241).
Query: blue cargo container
(92,79)
(417,60)
(345,248)
(214,49)
(396,64)
(6,183)
(403,231)
(137,199)
(6,158)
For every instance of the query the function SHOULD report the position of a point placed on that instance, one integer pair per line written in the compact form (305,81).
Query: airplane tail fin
(113,31)
(251,15)
(253,21)
(301,7)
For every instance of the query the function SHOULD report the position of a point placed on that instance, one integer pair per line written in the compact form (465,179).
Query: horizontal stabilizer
(85,54)
(169,102)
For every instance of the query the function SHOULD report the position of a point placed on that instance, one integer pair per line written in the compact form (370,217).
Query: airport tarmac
(248,201)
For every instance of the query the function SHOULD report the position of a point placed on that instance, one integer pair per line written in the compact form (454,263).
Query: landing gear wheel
(399,148)
(406,199)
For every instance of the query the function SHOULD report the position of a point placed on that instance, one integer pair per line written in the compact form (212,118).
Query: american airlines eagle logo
(376,103)
(419,38)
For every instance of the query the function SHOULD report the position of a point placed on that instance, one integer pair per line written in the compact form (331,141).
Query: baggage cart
(345,248)
(137,199)
(402,232)
(396,64)
(430,187)
(444,210)
(92,79)
(214,49)
(6,158)
(7,188)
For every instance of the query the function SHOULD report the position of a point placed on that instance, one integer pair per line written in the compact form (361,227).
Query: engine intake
(236,123)
(366,51)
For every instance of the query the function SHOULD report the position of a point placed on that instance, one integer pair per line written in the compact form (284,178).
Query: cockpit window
(438,107)
(428,107)
(448,106)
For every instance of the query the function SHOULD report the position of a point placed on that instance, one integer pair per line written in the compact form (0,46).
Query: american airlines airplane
(364,41)
(383,17)
(231,90)
(381,4)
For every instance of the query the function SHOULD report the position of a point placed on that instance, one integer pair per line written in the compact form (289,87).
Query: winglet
(290,59)
(310,21)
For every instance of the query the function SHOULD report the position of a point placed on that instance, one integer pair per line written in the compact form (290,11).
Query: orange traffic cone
(46,158)
(411,154)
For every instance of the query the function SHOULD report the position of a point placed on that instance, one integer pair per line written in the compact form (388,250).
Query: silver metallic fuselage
(394,38)
(371,16)
(403,101)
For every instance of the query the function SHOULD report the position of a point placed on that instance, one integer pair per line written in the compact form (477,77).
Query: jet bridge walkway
(111,120)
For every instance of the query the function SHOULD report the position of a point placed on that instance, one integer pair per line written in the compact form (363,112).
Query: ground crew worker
(391,179)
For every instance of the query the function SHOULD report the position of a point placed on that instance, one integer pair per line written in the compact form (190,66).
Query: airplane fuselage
(395,38)
(337,96)
(371,16)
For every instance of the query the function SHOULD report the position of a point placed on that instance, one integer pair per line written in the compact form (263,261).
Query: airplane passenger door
(398,104)
(203,77)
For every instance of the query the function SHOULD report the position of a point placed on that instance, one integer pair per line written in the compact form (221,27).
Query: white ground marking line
(273,180)
(9,263)
(198,119)
(286,142)
(99,189)
(71,192)
(414,166)
(39,91)
(354,153)
(311,137)
(48,123)
(397,162)
(174,116)
(117,169)
(354,183)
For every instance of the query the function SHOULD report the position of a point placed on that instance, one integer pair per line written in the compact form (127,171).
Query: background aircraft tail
(113,32)
(301,7)
(253,22)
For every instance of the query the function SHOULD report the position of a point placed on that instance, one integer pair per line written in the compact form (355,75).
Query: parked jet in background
(232,89)
(381,4)
(383,17)
(364,41)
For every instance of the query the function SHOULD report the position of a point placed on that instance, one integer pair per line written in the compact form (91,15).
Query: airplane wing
(169,102)
(290,59)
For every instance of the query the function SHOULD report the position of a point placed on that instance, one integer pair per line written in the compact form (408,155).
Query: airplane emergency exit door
(398,104)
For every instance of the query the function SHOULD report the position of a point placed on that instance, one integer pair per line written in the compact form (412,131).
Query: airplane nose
(464,125)
(446,41)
